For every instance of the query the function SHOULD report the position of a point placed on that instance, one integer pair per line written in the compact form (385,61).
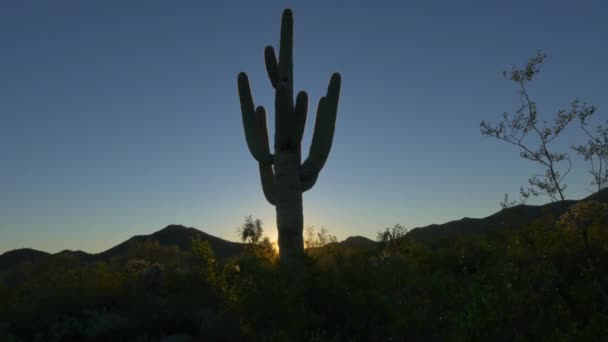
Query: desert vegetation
(536,281)
(525,273)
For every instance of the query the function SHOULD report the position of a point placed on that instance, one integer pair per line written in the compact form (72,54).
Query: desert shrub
(536,282)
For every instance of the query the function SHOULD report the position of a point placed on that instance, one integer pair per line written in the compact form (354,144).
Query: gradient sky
(118,118)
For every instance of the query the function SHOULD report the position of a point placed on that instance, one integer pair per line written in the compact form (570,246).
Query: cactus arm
(262,130)
(267,178)
(283,175)
(308,182)
(300,112)
(272,68)
(286,50)
(266,171)
(283,118)
(310,166)
(256,141)
(324,130)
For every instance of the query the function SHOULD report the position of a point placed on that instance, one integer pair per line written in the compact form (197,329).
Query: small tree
(259,245)
(596,149)
(391,234)
(251,231)
(314,239)
(389,239)
(266,249)
(517,128)
(205,258)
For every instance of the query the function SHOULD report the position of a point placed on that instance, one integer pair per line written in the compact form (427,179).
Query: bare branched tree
(596,149)
(522,126)
(523,197)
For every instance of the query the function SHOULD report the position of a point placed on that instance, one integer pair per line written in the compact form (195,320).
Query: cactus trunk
(288,203)
(283,175)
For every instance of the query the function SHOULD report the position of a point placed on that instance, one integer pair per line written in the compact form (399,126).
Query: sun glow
(275,247)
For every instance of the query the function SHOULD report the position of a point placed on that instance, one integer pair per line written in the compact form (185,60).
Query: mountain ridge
(171,235)
(507,217)
(181,236)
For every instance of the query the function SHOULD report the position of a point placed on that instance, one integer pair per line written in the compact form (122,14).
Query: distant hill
(17,256)
(352,242)
(172,235)
(508,218)
(177,235)
(358,242)
(180,236)
(80,255)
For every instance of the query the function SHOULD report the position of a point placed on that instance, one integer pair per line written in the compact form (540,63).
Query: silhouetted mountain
(18,256)
(172,235)
(358,241)
(180,236)
(509,218)
(80,255)
(601,196)
(350,243)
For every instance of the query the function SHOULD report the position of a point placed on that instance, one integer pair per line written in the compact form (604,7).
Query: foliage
(251,231)
(392,234)
(524,124)
(596,149)
(205,260)
(258,245)
(582,216)
(314,239)
(523,197)
(536,281)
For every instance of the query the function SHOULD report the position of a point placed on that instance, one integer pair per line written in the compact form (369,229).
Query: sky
(118,118)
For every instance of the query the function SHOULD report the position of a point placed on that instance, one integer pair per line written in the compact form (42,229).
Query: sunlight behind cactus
(283,175)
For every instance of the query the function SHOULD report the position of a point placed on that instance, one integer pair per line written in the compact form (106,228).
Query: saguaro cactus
(283,175)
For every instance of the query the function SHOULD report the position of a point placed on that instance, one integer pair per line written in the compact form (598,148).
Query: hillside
(17,256)
(516,287)
(358,242)
(181,236)
(172,235)
(509,218)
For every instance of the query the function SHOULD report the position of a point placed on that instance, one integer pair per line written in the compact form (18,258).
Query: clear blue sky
(120,117)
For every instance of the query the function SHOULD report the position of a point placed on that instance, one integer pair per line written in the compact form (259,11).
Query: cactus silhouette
(283,175)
